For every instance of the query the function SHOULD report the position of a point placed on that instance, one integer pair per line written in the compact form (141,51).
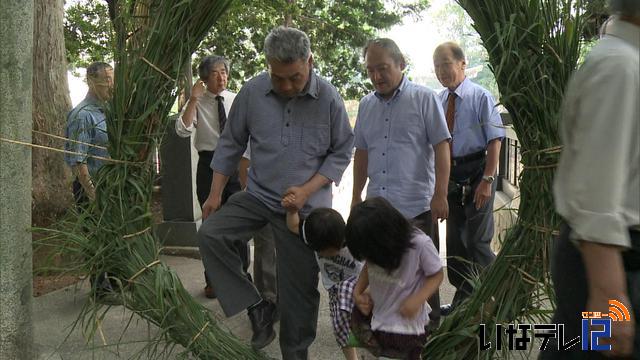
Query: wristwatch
(488,179)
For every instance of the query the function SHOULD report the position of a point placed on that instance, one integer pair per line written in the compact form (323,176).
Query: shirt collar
(461,90)
(623,30)
(403,85)
(311,89)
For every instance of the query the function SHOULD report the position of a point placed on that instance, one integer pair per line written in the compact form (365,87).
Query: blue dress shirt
(398,135)
(477,120)
(291,139)
(86,123)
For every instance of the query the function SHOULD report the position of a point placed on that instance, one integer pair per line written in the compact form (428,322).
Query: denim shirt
(291,139)
(86,124)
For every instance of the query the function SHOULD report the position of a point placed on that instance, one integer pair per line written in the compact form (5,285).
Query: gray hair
(95,69)
(208,62)
(287,45)
(456,50)
(387,44)
(625,7)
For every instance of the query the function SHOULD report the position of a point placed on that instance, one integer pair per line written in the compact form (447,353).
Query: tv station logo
(595,326)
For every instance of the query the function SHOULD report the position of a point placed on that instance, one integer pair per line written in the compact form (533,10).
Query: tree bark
(16,331)
(51,103)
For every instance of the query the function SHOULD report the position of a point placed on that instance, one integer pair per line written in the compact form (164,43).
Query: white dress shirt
(597,185)
(206,120)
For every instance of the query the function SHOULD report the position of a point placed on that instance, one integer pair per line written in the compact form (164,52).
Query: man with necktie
(476,136)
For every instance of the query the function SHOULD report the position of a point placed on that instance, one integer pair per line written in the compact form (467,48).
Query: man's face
(103,84)
(289,80)
(218,78)
(450,72)
(384,72)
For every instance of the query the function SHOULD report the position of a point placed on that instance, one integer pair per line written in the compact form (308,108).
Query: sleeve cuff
(607,229)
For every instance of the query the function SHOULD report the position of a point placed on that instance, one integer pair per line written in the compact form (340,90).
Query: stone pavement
(56,339)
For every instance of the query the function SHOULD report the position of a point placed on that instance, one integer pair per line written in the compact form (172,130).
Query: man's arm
(341,147)
(81,171)
(191,110)
(243,172)
(439,204)
(360,166)
(483,191)
(212,204)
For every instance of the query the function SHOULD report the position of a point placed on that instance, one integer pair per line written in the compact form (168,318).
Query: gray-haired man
(301,142)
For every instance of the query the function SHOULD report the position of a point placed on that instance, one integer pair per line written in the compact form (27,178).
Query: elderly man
(597,190)
(301,142)
(476,135)
(402,145)
(87,132)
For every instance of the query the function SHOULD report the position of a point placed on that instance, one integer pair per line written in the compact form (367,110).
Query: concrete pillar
(16,69)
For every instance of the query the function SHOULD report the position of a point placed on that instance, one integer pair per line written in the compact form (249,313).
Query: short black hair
(323,229)
(389,45)
(378,233)
(208,62)
(94,70)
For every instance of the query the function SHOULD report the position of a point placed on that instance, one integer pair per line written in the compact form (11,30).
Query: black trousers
(204,177)
(424,223)
(469,230)
(572,291)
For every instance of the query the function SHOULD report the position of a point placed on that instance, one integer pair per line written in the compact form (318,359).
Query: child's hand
(288,202)
(411,306)
(364,302)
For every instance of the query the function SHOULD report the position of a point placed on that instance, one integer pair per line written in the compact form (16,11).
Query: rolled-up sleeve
(181,129)
(79,131)
(234,138)
(340,151)
(490,119)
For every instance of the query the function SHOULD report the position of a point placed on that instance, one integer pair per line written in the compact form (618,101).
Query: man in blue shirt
(402,145)
(477,132)
(301,142)
(86,132)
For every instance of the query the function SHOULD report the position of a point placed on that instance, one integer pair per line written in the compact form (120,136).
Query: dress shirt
(477,120)
(292,139)
(86,123)
(398,135)
(206,121)
(597,184)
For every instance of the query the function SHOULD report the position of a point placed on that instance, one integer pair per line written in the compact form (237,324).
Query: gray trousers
(297,270)
(264,264)
(469,230)
(424,223)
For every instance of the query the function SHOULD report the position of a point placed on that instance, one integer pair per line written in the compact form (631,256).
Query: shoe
(261,317)
(447,309)
(209,293)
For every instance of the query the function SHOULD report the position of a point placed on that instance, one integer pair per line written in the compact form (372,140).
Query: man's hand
(297,196)
(411,306)
(482,194)
(364,302)
(211,205)
(198,90)
(439,207)
(622,332)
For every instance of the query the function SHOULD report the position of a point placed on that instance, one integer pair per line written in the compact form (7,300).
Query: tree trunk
(51,103)
(16,331)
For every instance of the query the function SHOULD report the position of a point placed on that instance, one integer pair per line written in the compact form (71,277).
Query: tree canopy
(337,29)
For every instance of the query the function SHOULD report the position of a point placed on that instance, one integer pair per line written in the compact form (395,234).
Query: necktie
(451,117)
(222,115)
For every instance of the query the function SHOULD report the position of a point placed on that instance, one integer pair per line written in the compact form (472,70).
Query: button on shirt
(477,120)
(597,184)
(398,135)
(206,121)
(292,139)
(87,125)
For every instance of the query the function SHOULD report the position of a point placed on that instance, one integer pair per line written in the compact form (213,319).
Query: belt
(468,158)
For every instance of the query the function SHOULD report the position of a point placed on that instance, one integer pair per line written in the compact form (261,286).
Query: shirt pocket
(315,139)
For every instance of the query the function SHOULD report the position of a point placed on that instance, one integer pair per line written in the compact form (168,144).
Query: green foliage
(87,33)
(337,29)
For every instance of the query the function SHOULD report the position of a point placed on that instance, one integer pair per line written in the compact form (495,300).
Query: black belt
(468,158)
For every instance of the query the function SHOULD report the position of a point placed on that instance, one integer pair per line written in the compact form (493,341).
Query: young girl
(323,232)
(402,270)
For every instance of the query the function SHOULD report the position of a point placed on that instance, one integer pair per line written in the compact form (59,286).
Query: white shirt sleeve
(181,129)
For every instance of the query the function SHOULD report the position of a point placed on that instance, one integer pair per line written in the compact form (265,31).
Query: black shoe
(261,317)
(447,309)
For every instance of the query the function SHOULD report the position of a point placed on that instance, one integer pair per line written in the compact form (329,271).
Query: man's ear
(464,64)
(310,61)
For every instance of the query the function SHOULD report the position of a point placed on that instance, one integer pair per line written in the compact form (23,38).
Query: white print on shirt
(381,275)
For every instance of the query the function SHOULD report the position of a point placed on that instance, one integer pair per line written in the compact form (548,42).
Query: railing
(510,159)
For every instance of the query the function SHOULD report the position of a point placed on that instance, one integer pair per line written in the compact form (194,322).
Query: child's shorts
(340,305)
(381,343)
